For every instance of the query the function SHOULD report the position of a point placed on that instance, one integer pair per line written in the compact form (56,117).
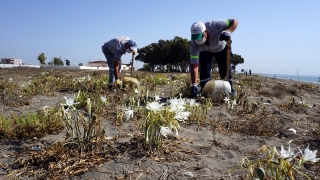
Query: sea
(304,78)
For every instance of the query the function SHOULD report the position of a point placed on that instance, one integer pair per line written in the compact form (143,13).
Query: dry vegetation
(265,107)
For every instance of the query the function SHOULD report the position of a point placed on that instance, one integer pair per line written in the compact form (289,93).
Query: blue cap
(132,44)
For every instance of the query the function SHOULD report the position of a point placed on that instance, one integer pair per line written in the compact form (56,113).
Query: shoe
(110,87)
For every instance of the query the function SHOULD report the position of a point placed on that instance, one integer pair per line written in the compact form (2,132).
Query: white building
(11,61)
(104,64)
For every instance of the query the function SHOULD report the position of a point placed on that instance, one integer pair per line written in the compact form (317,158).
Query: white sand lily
(177,104)
(192,102)
(156,97)
(154,106)
(182,115)
(308,155)
(232,103)
(285,154)
(70,103)
(164,131)
(103,99)
(128,114)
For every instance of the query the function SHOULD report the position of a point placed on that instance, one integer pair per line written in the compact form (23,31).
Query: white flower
(194,103)
(89,78)
(103,99)
(177,105)
(226,99)
(154,106)
(309,155)
(182,115)
(233,102)
(70,103)
(128,114)
(165,131)
(293,130)
(286,154)
(10,79)
(156,97)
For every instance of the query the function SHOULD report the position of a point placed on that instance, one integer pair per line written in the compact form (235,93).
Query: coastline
(302,78)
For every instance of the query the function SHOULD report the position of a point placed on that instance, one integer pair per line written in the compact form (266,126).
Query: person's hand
(195,90)
(117,84)
(134,53)
(225,35)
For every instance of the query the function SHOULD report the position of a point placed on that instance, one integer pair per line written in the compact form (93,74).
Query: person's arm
(233,25)
(194,62)
(194,73)
(116,67)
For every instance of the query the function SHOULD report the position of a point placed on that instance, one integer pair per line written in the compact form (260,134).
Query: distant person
(250,72)
(207,40)
(247,72)
(113,50)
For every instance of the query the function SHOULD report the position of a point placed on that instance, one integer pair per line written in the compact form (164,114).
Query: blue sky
(273,36)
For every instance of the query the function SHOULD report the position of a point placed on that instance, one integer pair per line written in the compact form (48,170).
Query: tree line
(56,61)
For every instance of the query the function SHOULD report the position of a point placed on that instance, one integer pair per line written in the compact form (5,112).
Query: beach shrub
(30,125)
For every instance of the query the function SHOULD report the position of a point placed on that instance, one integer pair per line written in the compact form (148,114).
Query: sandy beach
(206,149)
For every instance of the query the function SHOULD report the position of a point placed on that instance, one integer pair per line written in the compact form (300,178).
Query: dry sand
(207,151)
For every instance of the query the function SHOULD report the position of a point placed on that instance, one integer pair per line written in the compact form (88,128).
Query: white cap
(197,29)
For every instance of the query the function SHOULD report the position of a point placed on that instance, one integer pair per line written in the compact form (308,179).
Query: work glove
(225,35)
(134,53)
(195,90)
(117,84)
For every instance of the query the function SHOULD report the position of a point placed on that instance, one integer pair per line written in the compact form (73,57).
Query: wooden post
(228,59)
(132,63)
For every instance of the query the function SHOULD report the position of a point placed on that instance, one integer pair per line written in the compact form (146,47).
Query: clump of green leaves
(155,121)
(274,165)
(80,127)
(30,125)
(157,79)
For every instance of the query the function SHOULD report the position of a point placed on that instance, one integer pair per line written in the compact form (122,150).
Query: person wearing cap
(207,40)
(113,50)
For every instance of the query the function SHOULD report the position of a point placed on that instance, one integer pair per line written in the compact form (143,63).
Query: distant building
(125,66)
(98,63)
(101,63)
(11,61)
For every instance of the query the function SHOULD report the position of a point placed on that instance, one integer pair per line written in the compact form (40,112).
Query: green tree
(42,58)
(67,62)
(174,52)
(146,67)
(57,61)
(237,59)
(179,55)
